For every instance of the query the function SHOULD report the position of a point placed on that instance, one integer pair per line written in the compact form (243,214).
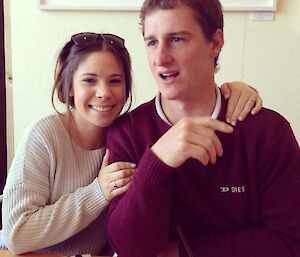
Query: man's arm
(142,215)
(138,221)
(279,232)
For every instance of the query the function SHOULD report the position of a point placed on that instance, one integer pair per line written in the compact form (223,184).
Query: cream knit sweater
(52,200)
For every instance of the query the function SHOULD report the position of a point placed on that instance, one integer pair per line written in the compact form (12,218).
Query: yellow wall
(265,54)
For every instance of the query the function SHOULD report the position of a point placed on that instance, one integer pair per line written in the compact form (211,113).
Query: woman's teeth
(101,108)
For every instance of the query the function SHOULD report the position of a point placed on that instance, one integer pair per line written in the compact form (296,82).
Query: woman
(55,197)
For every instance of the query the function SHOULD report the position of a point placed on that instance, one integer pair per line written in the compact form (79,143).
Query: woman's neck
(87,136)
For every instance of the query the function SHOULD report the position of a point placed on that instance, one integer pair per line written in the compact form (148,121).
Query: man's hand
(191,137)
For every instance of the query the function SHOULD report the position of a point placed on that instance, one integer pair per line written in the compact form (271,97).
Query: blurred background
(264,54)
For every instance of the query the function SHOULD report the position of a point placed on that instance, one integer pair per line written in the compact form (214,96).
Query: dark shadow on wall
(3,151)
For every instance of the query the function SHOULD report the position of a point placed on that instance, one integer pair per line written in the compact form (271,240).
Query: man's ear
(217,42)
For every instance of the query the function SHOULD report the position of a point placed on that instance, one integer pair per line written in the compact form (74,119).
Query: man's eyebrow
(178,33)
(170,34)
(149,38)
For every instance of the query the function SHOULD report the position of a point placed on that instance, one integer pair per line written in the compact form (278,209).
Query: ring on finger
(115,184)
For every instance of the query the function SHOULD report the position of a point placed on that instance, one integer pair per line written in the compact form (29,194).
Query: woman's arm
(43,203)
(54,190)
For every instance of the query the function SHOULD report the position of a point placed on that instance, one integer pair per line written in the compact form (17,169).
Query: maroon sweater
(245,205)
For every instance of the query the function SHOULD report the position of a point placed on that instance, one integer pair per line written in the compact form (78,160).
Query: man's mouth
(170,75)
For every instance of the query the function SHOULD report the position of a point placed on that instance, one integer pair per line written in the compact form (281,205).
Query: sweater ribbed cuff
(96,197)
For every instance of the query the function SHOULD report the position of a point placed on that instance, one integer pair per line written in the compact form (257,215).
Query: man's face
(180,57)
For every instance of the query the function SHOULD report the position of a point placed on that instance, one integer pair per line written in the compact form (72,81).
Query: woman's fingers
(121,182)
(252,103)
(243,99)
(114,176)
(243,106)
(120,174)
(114,166)
(105,158)
(249,106)
(225,90)
(258,106)
(119,190)
(232,103)
(119,166)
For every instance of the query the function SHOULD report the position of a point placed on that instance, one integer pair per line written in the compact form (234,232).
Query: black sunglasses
(87,38)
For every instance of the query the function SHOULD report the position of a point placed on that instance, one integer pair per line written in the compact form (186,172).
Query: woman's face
(99,89)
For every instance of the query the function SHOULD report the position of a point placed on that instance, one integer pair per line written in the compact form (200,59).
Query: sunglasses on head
(87,38)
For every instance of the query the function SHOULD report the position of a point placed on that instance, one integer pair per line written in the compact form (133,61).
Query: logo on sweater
(233,189)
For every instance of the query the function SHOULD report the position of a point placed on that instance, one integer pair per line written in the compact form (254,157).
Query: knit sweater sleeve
(31,219)
(138,221)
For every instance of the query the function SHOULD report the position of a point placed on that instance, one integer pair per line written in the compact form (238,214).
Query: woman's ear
(217,42)
(71,92)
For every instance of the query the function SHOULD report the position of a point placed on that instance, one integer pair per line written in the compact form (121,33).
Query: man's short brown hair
(208,13)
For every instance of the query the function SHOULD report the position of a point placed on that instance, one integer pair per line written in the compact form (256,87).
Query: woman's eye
(116,81)
(88,80)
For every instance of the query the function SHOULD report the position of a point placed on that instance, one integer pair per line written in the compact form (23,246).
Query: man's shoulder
(138,116)
(130,134)
(263,117)
(266,117)
(266,125)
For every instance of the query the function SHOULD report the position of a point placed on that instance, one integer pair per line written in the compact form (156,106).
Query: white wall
(263,54)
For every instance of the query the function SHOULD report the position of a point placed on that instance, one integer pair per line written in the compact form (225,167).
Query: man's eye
(176,39)
(151,43)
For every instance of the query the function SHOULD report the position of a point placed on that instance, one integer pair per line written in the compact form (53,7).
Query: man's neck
(201,104)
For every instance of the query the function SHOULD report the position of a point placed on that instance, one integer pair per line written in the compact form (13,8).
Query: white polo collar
(162,115)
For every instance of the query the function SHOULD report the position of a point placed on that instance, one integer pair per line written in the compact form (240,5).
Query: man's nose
(163,55)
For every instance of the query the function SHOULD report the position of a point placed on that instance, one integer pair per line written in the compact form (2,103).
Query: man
(201,188)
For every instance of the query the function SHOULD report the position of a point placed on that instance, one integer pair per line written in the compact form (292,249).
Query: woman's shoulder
(45,128)
(47,123)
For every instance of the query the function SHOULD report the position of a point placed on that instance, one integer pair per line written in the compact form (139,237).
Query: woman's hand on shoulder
(115,178)
(242,100)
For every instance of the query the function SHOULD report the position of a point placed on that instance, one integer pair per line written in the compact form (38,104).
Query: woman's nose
(103,91)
